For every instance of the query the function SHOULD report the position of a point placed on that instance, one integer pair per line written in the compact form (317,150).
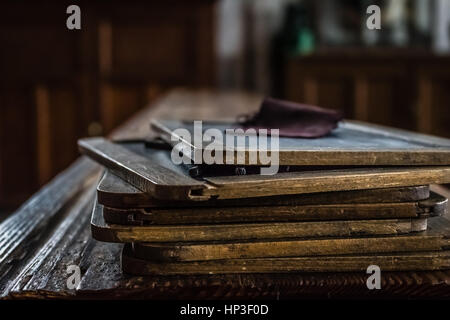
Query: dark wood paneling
(58,120)
(405,89)
(151,50)
(441,107)
(58,85)
(120,100)
(50,53)
(433,112)
(18,132)
(334,93)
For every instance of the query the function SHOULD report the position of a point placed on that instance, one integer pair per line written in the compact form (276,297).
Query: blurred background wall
(58,85)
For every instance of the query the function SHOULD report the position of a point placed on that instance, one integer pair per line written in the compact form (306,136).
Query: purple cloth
(293,119)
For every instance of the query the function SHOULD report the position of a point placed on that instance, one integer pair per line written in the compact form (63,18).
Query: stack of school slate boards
(357,197)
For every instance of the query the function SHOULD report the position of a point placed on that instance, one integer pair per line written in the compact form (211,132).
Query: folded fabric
(293,119)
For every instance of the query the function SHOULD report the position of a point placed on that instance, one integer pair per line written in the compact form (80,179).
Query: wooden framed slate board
(115,192)
(416,261)
(436,205)
(352,143)
(153,172)
(435,238)
(247,231)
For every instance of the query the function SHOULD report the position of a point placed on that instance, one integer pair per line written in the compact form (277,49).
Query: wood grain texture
(357,263)
(115,192)
(153,172)
(134,168)
(352,143)
(435,238)
(25,235)
(172,233)
(436,205)
(325,181)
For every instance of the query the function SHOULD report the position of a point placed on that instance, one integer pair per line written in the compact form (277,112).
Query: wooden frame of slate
(435,260)
(352,143)
(153,172)
(436,205)
(435,238)
(102,231)
(114,192)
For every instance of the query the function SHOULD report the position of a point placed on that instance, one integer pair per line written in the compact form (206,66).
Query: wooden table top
(51,231)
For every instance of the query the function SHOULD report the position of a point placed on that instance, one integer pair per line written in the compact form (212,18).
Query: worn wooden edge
(333,180)
(51,257)
(135,170)
(146,175)
(256,214)
(128,196)
(293,248)
(436,205)
(435,238)
(22,234)
(114,192)
(175,233)
(417,261)
(46,204)
(262,214)
(433,153)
